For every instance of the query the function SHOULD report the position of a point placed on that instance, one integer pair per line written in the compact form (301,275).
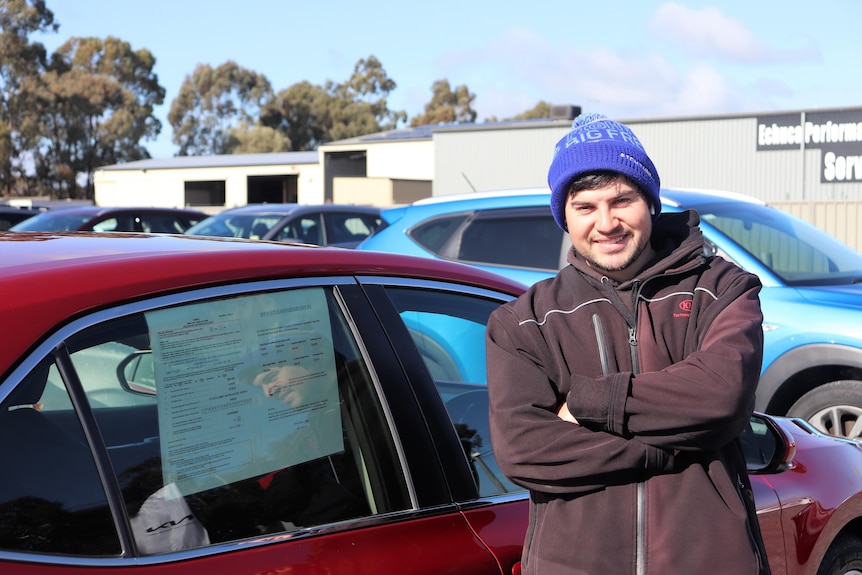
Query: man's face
(610,228)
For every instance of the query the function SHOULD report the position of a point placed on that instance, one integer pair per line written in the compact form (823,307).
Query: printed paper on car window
(246,386)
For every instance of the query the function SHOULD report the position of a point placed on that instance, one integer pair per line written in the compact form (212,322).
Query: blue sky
(629,60)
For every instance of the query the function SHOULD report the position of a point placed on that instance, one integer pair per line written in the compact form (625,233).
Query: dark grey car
(340,225)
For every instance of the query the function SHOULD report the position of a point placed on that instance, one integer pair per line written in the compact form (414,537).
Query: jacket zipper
(640,536)
(633,344)
(640,552)
(640,492)
(640,557)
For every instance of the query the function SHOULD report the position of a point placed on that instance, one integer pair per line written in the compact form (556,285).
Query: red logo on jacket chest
(685,309)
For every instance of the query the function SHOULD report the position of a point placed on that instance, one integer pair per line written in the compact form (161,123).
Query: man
(619,388)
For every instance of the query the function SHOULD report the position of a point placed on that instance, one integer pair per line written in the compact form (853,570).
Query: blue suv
(812,283)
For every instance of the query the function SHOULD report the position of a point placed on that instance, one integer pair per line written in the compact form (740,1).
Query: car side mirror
(768,449)
(136,373)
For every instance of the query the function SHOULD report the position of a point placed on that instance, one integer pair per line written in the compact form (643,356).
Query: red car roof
(49,278)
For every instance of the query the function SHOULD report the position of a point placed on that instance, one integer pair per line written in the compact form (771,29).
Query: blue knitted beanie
(597,143)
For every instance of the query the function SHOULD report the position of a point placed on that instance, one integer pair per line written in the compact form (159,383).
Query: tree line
(91,103)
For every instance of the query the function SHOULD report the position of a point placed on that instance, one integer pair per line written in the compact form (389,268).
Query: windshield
(796,251)
(58,221)
(235,226)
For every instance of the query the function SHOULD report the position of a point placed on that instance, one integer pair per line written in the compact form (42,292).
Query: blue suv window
(522,241)
(519,237)
(433,234)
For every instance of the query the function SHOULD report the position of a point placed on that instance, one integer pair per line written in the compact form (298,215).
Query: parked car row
(245,407)
(812,283)
(812,294)
(326,224)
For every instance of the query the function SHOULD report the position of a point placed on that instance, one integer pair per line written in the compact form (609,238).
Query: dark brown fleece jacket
(660,372)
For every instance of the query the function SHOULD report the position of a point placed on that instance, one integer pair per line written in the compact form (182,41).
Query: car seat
(258,231)
(311,235)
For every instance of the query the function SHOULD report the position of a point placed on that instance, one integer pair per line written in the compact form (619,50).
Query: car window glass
(11,216)
(347,228)
(96,367)
(52,221)
(219,225)
(305,229)
(291,232)
(253,227)
(522,241)
(108,225)
(233,418)
(795,251)
(51,496)
(162,224)
(449,332)
(229,225)
(433,234)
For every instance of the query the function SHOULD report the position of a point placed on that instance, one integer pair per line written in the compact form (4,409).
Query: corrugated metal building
(806,162)
(792,156)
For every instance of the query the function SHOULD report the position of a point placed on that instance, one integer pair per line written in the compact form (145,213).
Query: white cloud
(519,68)
(709,32)
(701,90)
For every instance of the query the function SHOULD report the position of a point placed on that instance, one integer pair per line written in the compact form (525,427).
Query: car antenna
(468,181)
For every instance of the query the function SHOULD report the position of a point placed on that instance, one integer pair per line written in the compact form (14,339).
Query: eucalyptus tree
(310,114)
(447,105)
(213,103)
(20,62)
(95,104)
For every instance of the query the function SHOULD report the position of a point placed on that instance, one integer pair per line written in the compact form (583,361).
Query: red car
(177,404)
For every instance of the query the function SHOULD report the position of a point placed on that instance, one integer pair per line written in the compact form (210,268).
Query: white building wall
(150,188)
(166,187)
(412,160)
(363,191)
(310,184)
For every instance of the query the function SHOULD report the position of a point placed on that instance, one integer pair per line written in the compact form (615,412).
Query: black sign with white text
(838,134)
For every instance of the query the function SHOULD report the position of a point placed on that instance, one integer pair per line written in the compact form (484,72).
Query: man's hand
(566,415)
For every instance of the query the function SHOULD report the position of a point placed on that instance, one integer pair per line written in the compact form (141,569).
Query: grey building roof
(425,132)
(222,161)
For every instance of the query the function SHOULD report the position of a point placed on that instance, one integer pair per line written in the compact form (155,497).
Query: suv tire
(833,408)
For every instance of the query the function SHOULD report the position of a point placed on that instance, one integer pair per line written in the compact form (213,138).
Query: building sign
(837,134)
